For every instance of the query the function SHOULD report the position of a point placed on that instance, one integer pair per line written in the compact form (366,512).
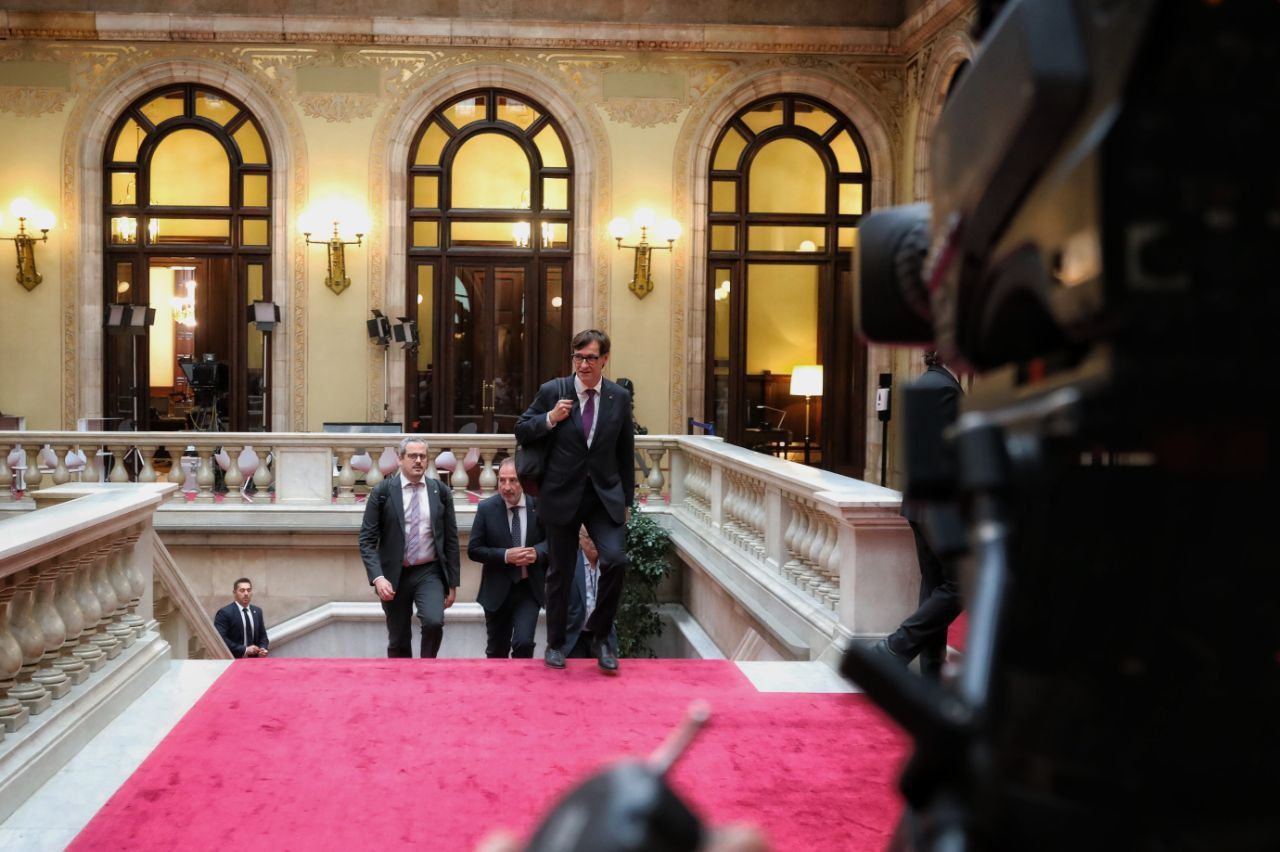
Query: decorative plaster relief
(338,108)
(28,101)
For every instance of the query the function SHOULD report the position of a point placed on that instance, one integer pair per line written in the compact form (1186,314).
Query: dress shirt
(582,404)
(424,517)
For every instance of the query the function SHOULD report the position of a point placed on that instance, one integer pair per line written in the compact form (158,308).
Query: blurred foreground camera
(1101,251)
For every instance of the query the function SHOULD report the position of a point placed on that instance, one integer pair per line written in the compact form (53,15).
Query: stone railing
(813,558)
(245,469)
(75,591)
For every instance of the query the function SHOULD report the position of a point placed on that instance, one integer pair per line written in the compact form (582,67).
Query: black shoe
(607,661)
(882,648)
(555,659)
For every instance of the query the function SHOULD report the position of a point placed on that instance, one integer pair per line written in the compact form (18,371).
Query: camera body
(1100,251)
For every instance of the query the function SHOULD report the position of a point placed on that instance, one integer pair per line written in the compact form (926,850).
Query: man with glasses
(588,481)
(409,546)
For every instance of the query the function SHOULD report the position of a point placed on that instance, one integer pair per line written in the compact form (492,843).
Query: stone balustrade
(74,592)
(254,469)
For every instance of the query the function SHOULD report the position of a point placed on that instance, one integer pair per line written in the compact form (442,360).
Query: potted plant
(649,550)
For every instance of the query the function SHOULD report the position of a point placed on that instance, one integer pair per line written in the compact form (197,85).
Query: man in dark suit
(589,479)
(507,540)
(582,601)
(924,632)
(240,624)
(409,546)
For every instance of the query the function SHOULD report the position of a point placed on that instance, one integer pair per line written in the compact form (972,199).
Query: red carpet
(958,631)
(374,754)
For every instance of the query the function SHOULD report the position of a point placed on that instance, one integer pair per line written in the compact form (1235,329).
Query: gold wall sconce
(337,280)
(28,275)
(669,230)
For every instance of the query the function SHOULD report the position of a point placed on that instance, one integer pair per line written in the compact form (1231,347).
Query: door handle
(487,395)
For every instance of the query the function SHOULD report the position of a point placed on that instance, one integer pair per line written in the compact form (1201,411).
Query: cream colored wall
(641,328)
(31,322)
(337,345)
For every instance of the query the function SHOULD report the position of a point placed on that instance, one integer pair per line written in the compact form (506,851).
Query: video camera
(209,378)
(1101,251)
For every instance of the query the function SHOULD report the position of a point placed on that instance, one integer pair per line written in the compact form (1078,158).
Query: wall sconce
(337,280)
(620,228)
(126,230)
(806,381)
(25,243)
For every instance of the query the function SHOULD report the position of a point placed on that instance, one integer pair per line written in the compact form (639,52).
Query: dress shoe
(555,658)
(607,661)
(882,648)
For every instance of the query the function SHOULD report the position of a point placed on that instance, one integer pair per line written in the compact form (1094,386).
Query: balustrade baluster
(176,474)
(346,476)
(32,477)
(488,475)
(13,713)
(6,475)
(459,479)
(119,470)
(30,637)
(137,582)
(72,618)
(115,574)
(656,481)
(232,478)
(53,631)
(148,471)
(61,474)
(89,473)
(204,475)
(101,588)
(91,608)
(262,479)
(374,476)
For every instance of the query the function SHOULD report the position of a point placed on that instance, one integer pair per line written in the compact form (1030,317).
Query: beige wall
(636,107)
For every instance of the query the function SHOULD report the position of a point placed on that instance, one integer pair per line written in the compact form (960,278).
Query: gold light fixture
(126,230)
(337,280)
(28,275)
(642,279)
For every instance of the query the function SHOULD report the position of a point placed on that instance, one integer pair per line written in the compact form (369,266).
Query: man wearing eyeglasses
(588,481)
(409,546)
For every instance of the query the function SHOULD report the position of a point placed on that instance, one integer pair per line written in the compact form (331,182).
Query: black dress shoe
(882,648)
(604,656)
(555,658)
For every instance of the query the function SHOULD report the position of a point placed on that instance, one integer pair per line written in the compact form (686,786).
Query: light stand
(806,381)
(379,329)
(266,316)
(133,320)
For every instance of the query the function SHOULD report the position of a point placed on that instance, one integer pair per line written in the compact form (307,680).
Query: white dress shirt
(582,405)
(428,550)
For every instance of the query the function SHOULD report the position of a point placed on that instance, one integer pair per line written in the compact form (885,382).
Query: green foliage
(649,549)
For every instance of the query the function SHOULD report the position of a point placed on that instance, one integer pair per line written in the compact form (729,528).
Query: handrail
(184,598)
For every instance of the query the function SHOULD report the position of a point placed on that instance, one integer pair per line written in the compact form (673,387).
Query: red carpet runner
(365,754)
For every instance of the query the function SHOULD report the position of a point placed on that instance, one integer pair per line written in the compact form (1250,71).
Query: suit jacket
(490,538)
(230,626)
(944,393)
(577,620)
(608,463)
(382,532)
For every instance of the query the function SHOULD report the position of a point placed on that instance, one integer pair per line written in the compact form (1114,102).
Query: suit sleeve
(370,531)
(627,453)
(479,548)
(262,628)
(447,550)
(532,425)
(222,623)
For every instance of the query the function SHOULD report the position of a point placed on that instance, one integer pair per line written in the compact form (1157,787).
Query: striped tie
(414,522)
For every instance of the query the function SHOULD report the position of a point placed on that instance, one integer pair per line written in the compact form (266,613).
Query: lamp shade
(806,380)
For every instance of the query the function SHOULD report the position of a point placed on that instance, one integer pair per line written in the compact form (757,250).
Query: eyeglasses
(585,359)
(416,456)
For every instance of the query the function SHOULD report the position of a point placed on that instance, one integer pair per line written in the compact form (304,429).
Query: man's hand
(262,652)
(521,556)
(449,598)
(562,410)
(383,587)
(253,651)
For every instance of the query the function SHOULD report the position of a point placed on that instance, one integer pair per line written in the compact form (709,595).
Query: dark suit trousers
(421,586)
(510,627)
(562,549)
(924,632)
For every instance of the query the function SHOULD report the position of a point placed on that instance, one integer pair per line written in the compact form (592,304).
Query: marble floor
(64,805)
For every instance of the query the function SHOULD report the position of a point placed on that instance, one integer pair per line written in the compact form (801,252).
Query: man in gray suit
(409,545)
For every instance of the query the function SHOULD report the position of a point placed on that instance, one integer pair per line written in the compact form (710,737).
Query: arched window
(489,254)
(187,218)
(788,185)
